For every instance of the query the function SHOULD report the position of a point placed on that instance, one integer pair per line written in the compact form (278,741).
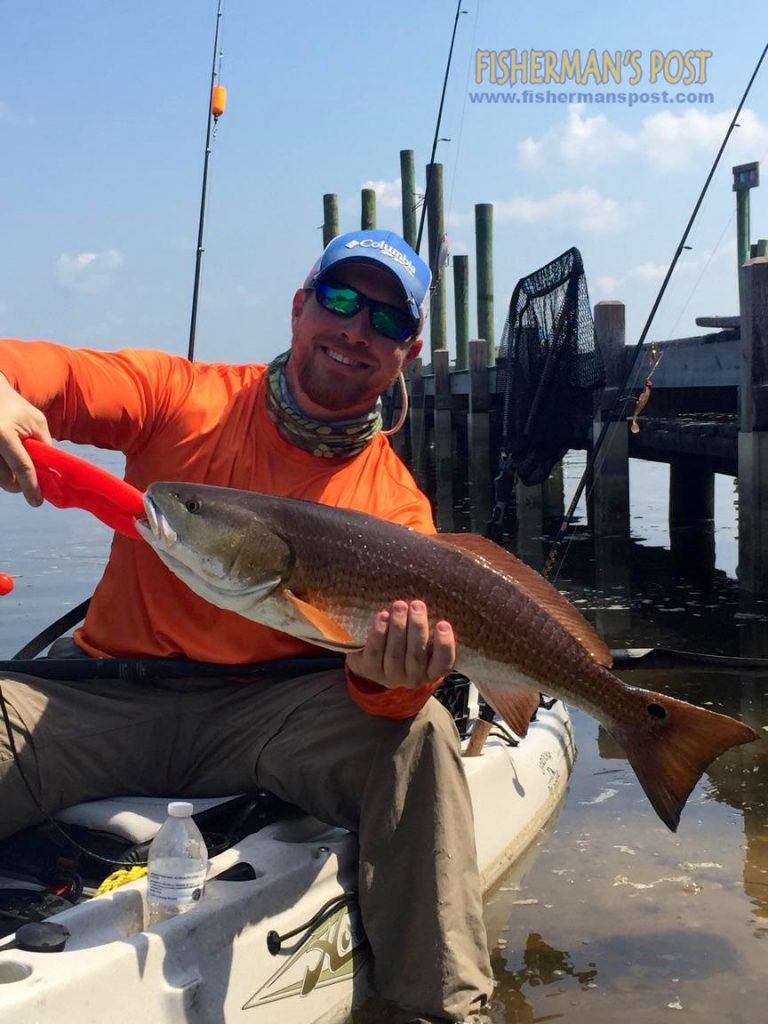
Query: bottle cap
(180,809)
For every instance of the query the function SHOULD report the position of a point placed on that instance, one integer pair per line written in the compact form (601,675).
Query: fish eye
(193,506)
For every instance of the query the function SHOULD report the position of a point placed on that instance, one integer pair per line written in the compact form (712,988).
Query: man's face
(339,366)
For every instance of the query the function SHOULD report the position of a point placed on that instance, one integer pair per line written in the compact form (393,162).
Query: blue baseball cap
(388,250)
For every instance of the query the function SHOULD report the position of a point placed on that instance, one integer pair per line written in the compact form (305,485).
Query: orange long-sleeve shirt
(176,420)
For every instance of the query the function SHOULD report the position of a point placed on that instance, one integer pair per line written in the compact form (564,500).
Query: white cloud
(582,208)
(88,272)
(650,271)
(530,152)
(667,140)
(672,140)
(388,193)
(691,263)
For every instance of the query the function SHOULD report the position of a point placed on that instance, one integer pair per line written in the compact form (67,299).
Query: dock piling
(479,436)
(443,437)
(461,301)
(609,505)
(367,209)
(408,193)
(330,217)
(753,429)
(484,260)
(438,330)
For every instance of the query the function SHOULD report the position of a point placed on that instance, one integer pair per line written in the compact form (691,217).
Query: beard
(337,396)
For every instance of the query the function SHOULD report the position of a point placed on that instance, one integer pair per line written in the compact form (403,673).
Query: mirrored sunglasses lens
(344,301)
(391,323)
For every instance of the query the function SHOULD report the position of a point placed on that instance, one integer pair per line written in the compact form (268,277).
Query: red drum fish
(321,573)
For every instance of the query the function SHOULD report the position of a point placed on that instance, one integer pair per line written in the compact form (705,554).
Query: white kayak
(213,965)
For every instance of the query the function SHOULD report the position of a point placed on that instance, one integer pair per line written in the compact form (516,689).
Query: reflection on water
(618,919)
(542,965)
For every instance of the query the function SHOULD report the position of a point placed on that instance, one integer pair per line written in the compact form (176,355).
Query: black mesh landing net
(549,366)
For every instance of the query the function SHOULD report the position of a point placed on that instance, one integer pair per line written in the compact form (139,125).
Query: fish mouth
(159,534)
(156,528)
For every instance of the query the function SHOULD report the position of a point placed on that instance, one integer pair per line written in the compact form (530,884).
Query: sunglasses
(343,300)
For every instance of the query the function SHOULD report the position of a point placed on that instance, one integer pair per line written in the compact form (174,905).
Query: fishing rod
(216,103)
(621,397)
(459,12)
(66,670)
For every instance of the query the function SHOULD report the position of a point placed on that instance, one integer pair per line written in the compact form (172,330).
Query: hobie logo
(386,249)
(334,952)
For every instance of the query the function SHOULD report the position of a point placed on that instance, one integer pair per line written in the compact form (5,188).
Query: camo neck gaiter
(326,440)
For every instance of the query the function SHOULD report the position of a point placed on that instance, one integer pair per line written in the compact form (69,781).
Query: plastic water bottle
(177,865)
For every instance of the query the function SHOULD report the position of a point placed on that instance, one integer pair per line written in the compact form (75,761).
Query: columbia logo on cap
(386,249)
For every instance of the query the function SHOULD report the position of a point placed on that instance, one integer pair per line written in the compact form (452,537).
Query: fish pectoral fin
(321,628)
(515,705)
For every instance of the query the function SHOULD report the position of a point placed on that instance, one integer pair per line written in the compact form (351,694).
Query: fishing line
(711,257)
(621,396)
(705,268)
(449,208)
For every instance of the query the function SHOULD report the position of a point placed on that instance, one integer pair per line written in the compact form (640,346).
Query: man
(306,426)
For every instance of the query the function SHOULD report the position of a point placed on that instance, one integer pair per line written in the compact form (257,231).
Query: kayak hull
(213,965)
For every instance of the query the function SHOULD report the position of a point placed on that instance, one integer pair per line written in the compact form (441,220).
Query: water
(617,918)
(614,918)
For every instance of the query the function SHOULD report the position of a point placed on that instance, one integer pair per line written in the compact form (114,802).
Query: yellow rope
(121,877)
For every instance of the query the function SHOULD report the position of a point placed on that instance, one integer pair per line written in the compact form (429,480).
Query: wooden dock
(708,414)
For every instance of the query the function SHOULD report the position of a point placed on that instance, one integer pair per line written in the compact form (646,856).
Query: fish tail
(670,755)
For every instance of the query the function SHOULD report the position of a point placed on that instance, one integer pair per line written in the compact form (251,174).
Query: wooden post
(753,429)
(461,300)
(530,530)
(742,227)
(443,440)
(417,425)
(438,336)
(608,508)
(484,260)
(745,178)
(479,436)
(535,503)
(613,574)
(408,190)
(610,491)
(330,217)
(692,515)
(553,494)
(368,209)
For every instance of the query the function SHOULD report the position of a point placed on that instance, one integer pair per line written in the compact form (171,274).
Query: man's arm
(109,399)
(19,419)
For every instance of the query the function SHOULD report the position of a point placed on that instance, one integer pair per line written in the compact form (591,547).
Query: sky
(103,107)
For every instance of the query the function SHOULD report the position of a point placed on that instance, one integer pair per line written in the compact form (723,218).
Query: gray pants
(399,785)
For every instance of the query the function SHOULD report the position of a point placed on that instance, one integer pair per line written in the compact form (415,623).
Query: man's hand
(399,651)
(19,419)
